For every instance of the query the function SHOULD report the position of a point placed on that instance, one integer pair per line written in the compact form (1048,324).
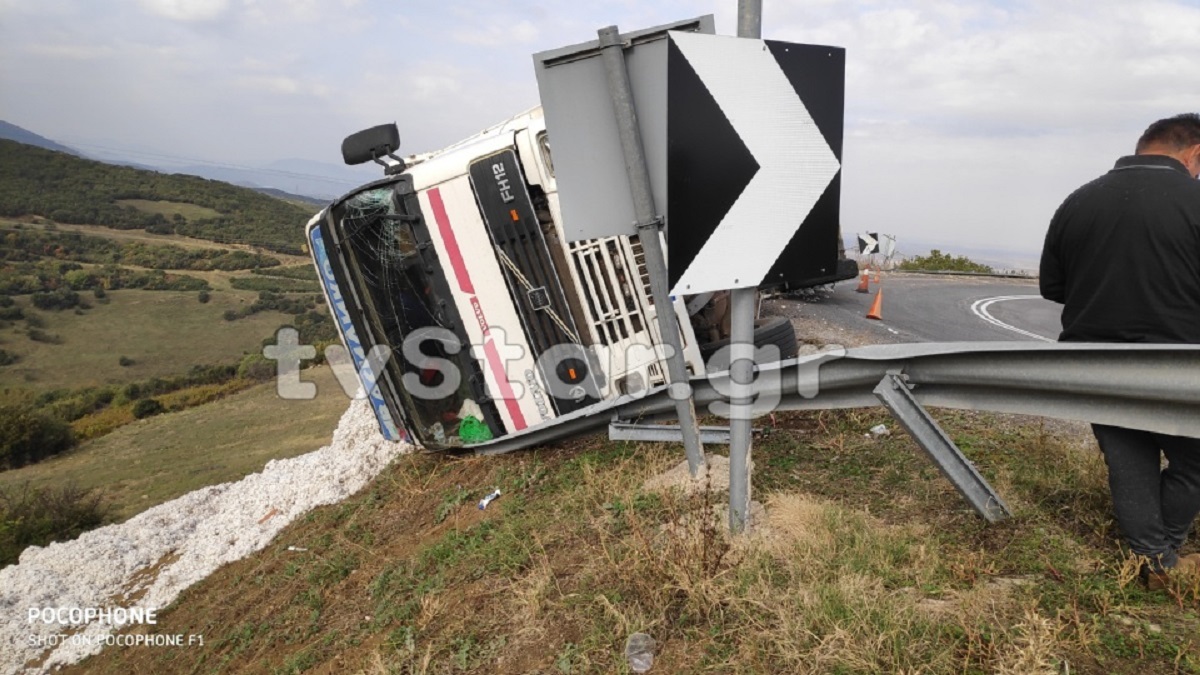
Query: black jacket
(1123,255)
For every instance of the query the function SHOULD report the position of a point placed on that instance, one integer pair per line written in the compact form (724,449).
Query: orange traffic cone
(877,275)
(876,307)
(864,283)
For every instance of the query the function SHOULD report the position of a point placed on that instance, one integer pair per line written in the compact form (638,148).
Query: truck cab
(467,313)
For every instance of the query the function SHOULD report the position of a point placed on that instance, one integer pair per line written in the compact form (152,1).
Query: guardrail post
(893,392)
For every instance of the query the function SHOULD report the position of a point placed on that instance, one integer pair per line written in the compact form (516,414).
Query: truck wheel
(775,330)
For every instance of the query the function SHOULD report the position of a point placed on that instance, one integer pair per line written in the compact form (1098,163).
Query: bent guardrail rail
(1138,386)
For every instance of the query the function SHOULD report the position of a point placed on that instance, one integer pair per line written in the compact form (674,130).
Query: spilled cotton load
(191,536)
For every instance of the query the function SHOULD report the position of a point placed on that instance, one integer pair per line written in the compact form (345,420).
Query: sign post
(648,225)
(731,147)
(743,302)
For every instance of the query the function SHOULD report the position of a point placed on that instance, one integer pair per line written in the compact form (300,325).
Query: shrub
(99,292)
(938,261)
(256,367)
(231,315)
(146,407)
(36,517)
(60,299)
(125,361)
(203,297)
(39,335)
(27,434)
(7,357)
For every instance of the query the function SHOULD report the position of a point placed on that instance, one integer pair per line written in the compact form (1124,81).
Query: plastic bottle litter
(639,652)
(483,503)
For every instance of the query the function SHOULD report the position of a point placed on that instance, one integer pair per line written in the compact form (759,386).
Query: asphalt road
(941,308)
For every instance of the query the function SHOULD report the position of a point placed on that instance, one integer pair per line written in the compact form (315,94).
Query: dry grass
(838,576)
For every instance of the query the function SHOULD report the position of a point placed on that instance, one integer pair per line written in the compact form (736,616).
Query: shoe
(1187,564)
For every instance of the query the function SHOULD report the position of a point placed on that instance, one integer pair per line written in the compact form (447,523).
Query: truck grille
(615,298)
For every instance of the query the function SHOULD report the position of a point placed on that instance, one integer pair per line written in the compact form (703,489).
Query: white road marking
(980,309)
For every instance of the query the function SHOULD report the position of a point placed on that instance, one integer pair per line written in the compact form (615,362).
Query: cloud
(963,119)
(498,33)
(187,10)
(77,52)
(284,85)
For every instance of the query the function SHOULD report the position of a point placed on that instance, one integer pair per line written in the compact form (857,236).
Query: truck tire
(775,330)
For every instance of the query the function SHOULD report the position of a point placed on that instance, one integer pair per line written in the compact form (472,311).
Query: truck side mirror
(371,144)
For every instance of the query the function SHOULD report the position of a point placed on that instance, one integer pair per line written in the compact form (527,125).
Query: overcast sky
(966,122)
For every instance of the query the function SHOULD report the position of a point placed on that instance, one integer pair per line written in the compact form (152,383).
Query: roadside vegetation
(42,421)
(84,349)
(866,561)
(937,261)
(161,457)
(37,516)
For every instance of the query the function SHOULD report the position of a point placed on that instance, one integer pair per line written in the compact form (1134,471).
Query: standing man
(1123,257)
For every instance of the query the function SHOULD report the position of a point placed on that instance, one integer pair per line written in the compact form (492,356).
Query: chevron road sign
(742,141)
(868,244)
(754,132)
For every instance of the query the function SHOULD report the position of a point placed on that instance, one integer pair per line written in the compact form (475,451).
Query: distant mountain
(289,197)
(13,132)
(317,180)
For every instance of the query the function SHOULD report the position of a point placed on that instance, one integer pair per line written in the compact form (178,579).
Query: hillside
(864,561)
(12,132)
(68,189)
(113,307)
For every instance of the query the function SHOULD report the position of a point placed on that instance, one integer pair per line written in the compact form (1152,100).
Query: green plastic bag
(472,430)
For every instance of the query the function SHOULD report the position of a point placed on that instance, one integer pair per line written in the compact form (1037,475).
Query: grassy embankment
(154,460)
(867,562)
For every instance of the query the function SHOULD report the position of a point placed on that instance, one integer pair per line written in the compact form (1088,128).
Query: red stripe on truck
(456,259)
(464,282)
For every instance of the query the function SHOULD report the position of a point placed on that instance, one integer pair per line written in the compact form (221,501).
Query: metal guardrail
(1150,387)
(955,273)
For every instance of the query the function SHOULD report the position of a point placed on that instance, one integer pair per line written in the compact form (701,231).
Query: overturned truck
(468,314)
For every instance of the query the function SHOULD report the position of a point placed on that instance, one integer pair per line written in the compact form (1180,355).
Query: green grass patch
(163,332)
(169,209)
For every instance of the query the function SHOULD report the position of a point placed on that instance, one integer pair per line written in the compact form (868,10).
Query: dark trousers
(1155,507)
